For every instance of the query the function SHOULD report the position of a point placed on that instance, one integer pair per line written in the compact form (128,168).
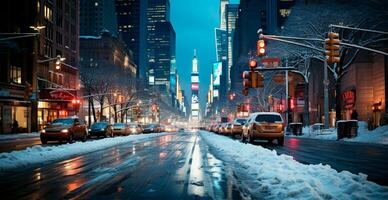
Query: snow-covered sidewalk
(281,177)
(377,136)
(40,155)
(18,136)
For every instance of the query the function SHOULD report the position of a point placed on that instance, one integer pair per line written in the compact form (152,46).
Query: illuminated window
(15,74)
(48,13)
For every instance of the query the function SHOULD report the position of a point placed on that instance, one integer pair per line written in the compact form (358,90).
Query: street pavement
(176,166)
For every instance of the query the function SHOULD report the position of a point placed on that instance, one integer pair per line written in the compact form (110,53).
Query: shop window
(19,119)
(15,74)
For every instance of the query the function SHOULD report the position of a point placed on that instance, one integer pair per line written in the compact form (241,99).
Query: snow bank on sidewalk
(18,136)
(377,136)
(281,177)
(39,154)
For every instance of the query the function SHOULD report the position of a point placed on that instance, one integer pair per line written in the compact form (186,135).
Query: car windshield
(150,126)
(133,125)
(241,121)
(65,121)
(268,118)
(99,125)
(119,125)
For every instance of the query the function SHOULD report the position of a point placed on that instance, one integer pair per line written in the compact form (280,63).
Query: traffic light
(260,80)
(261,48)
(332,46)
(58,64)
(252,79)
(252,64)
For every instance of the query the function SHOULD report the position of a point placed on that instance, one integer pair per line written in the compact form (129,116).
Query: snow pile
(281,177)
(39,155)
(18,136)
(378,136)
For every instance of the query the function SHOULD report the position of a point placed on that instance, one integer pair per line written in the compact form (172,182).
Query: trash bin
(347,128)
(296,128)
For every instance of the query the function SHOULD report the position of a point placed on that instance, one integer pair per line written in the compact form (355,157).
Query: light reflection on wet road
(177,166)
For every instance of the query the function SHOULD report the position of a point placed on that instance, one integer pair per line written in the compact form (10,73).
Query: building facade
(30,63)
(195,106)
(97,16)
(160,44)
(132,27)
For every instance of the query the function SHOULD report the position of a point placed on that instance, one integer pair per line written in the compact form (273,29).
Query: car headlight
(133,129)
(89,129)
(64,131)
(102,129)
(43,131)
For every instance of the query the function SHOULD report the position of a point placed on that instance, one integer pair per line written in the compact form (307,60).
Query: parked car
(237,126)
(222,128)
(121,129)
(101,129)
(64,129)
(228,129)
(151,128)
(135,128)
(264,125)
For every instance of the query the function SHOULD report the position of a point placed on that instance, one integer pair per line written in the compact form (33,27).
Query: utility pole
(286,103)
(326,95)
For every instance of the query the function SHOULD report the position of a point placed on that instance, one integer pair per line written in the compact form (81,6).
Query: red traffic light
(260,47)
(252,64)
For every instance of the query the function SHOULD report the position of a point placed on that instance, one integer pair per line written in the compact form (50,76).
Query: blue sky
(194,22)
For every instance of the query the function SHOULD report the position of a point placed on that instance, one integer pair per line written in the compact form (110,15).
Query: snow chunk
(281,177)
(40,155)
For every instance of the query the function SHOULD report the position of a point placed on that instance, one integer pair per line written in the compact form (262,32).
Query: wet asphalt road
(177,166)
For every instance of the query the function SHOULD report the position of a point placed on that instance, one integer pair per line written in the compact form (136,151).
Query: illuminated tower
(194,90)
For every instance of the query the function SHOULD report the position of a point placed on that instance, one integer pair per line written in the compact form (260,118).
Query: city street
(175,166)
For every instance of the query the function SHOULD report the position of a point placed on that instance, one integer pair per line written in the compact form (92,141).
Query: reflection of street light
(37,28)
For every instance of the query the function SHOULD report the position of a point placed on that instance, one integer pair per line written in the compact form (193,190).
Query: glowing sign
(217,72)
(194,79)
(194,86)
(215,93)
(151,79)
(195,106)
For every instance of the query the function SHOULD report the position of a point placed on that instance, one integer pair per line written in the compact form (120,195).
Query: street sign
(271,62)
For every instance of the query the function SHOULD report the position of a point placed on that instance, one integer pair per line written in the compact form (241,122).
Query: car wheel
(250,139)
(85,137)
(243,140)
(43,141)
(281,141)
(70,139)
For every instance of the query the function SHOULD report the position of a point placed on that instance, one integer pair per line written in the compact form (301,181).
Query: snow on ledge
(38,154)
(281,177)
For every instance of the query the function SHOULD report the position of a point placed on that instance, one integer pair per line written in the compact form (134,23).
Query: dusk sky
(194,22)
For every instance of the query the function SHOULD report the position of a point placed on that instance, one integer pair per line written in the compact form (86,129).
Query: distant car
(228,129)
(101,129)
(151,128)
(181,130)
(264,125)
(121,129)
(170,129)
(222,128)
(135,128)
(64,129)
(237,127)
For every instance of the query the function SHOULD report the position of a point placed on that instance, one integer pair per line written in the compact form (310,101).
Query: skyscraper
(132,27)
(231,14)
(97,16)
(195,111)
(160,44)
(221,38)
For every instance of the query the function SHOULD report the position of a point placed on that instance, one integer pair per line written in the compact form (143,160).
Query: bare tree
(313,20)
